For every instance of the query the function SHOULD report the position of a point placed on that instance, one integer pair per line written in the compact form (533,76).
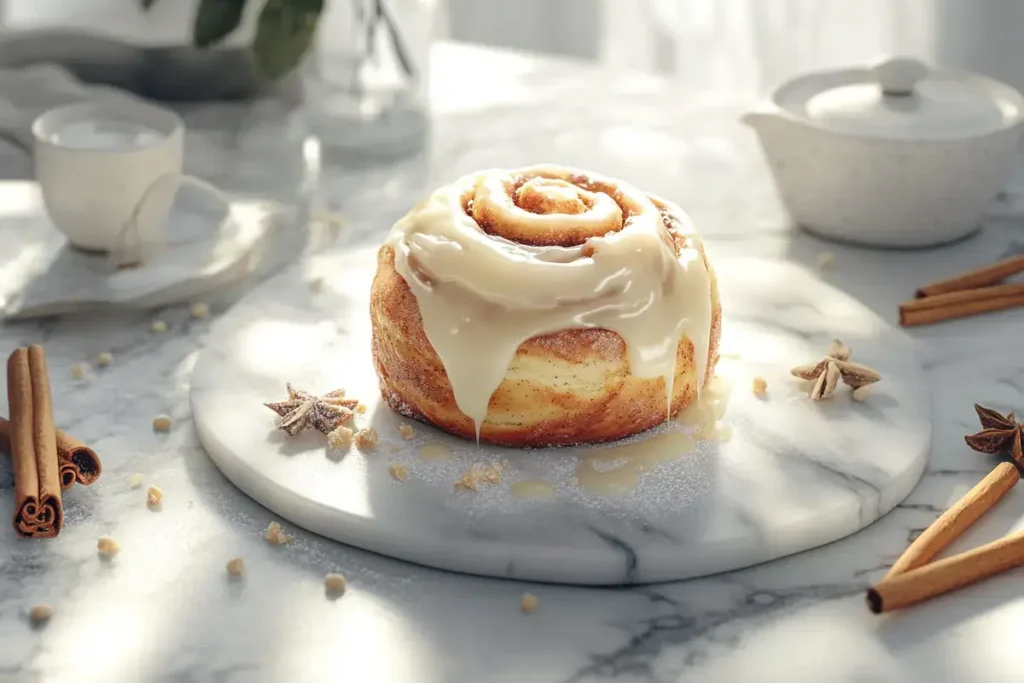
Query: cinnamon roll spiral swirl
(543,306)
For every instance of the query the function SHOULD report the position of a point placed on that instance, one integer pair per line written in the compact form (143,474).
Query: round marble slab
(795,474)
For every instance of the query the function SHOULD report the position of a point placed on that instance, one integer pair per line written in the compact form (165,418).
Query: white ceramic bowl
(95,161)
(898,155)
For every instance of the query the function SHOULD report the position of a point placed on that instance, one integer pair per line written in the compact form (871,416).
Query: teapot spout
(763,119)
(773,126)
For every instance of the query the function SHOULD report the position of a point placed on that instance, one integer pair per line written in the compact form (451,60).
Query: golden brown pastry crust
(569,387)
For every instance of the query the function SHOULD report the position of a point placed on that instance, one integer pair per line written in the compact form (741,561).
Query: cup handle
(140,231)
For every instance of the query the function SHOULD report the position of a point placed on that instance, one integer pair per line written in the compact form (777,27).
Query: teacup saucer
(41,274)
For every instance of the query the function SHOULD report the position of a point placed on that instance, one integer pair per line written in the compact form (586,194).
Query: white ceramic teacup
(95,161)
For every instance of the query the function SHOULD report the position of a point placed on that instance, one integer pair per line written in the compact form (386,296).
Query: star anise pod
(303,410)
(834,366)
(838,350)
(999,434)
(825,384)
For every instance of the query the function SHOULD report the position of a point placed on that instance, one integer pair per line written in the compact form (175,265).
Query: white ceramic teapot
(897,155)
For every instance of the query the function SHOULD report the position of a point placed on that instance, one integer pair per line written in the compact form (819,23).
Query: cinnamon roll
(543,306)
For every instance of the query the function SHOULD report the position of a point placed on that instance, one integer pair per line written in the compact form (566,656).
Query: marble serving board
(778,475)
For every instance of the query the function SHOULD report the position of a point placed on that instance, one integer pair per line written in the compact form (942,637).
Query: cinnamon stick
(954,521)
(959,304)
(39,511)
(68,477)
(980,277)
(68,471)
(78,462)
(84,459)
(943,576)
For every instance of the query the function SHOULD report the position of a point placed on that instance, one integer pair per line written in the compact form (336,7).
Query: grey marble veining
(162,610)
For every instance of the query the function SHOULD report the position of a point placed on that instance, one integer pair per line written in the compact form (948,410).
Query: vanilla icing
(480,296)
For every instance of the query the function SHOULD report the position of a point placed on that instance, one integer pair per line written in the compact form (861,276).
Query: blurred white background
(752,43)
(746,43)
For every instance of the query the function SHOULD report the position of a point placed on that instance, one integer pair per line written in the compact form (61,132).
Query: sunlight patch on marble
(490,73)
(449,94)
(762,348)
(359,626)
(632,141)
(260,345)
(155,550)
(30,260)
(118,637)
(19,199)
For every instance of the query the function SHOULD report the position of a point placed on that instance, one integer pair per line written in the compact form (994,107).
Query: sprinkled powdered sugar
(667,486)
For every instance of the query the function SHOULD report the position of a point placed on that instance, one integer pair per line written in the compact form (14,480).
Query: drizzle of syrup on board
(435,452)
(533,488)
(704,414)
(617,470)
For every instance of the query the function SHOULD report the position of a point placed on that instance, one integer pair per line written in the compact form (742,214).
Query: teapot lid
(902,99)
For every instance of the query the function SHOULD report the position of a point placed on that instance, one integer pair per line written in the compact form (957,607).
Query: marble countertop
(163,611)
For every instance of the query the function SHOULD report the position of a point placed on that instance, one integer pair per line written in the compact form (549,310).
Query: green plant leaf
(215,19)
(284,34)
(146,4)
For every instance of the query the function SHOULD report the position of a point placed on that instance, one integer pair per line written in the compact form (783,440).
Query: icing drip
(499,257)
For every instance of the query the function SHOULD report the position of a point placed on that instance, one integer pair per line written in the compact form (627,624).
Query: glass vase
(366,79)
